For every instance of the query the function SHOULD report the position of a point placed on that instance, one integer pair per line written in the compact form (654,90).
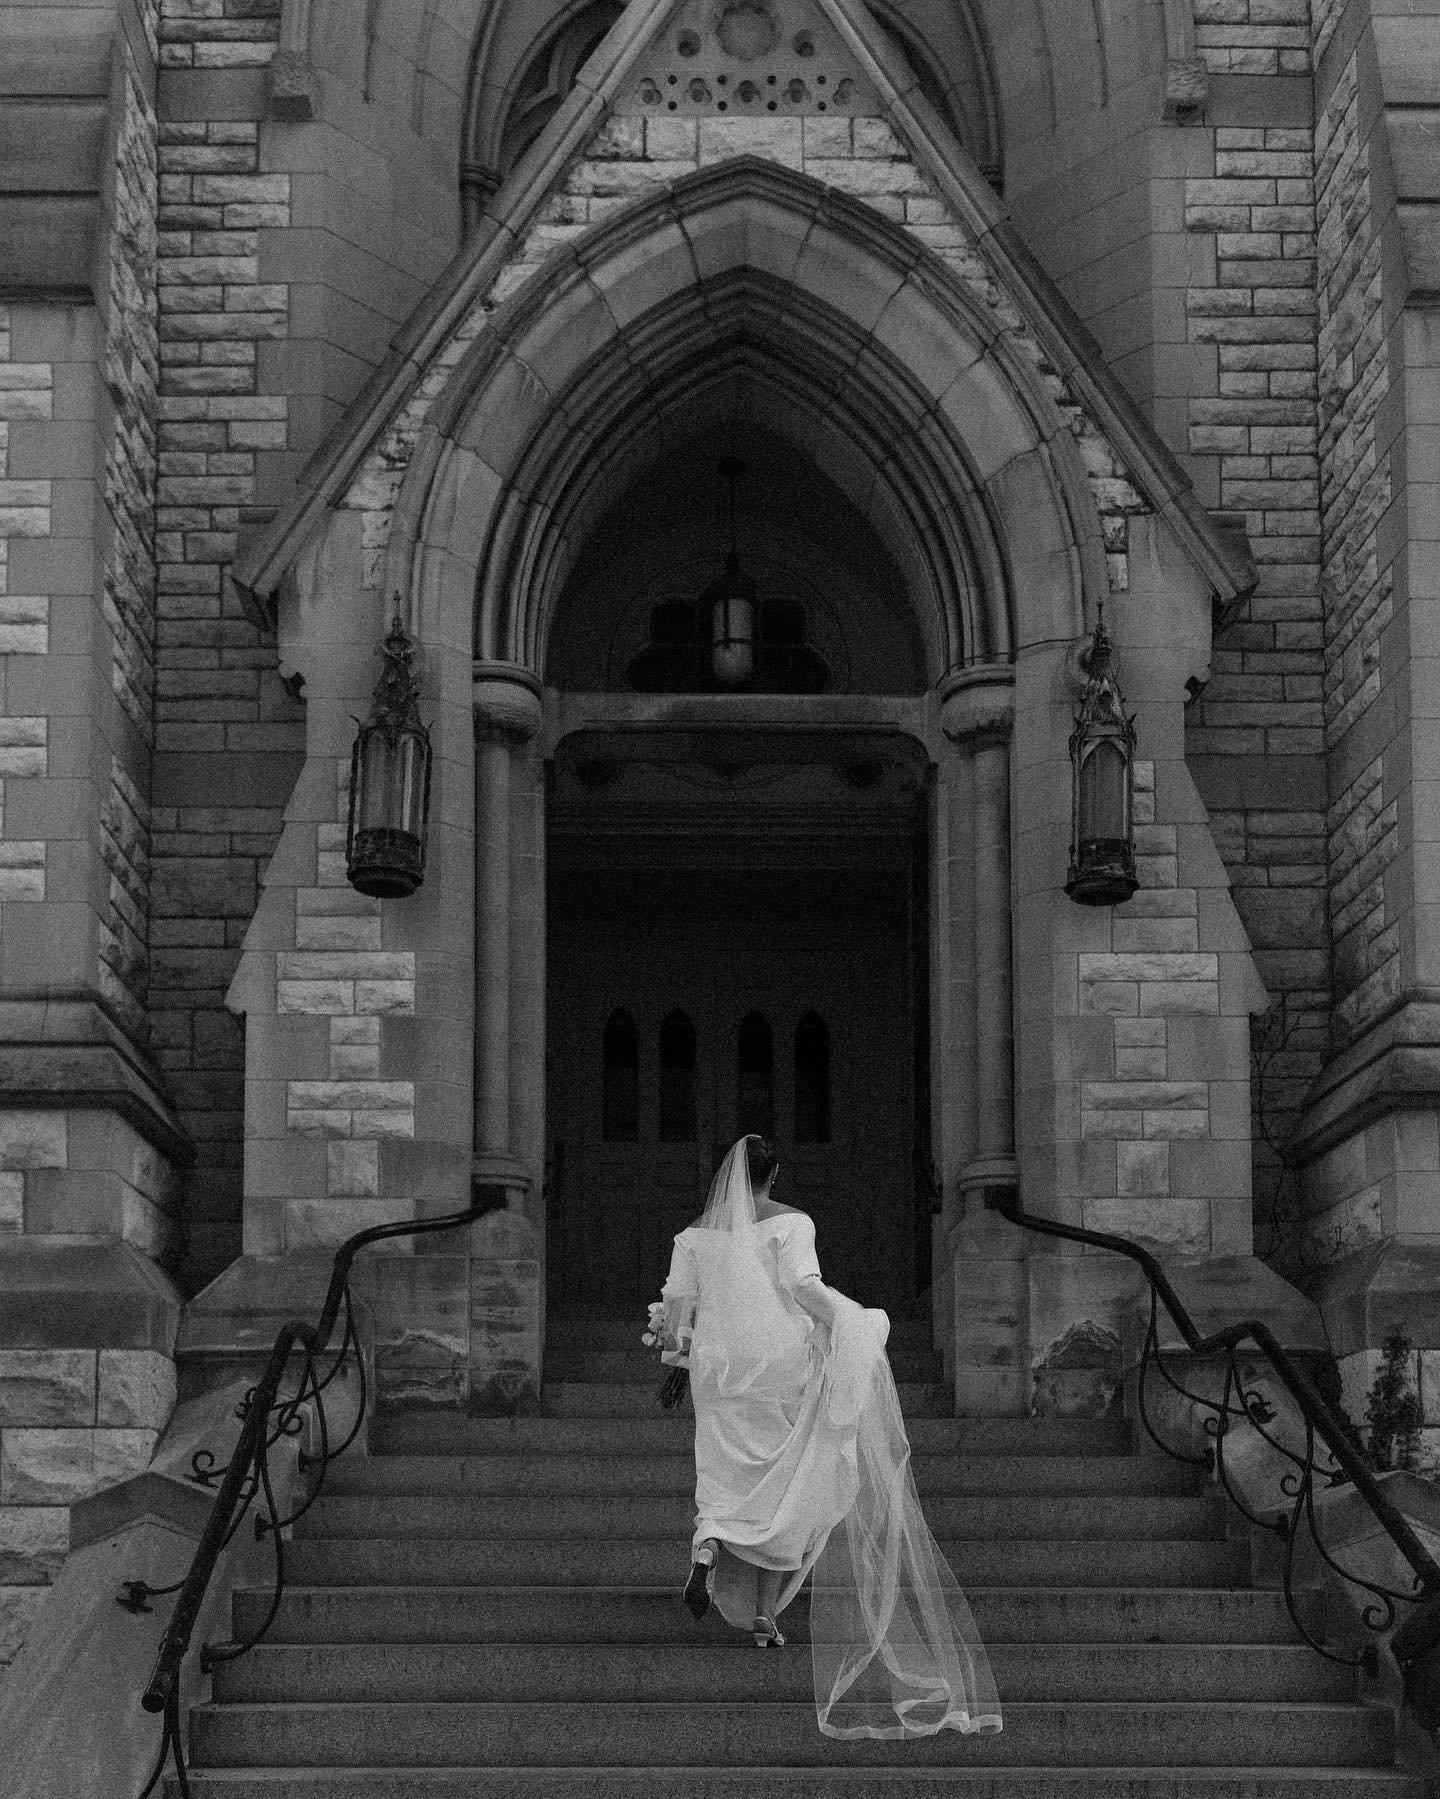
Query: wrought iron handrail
(265,1417)
(1298,1484)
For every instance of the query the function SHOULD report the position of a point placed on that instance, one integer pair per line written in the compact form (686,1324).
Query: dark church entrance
(732,948)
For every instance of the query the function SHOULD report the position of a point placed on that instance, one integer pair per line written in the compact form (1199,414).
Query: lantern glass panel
(373,809)
(1104,810)
(409,783)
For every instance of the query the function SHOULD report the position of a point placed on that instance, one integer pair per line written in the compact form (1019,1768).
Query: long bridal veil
(894,1648)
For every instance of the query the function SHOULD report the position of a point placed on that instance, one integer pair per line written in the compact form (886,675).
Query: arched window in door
(812,1080)
(620,1090)
(755,1077)
(677,1080)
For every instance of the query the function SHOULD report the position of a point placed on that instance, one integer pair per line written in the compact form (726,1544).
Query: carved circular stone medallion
(746,30)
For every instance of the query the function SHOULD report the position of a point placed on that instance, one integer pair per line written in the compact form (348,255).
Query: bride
(802,1470)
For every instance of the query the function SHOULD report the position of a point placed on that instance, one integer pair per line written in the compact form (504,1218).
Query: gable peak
(747,59)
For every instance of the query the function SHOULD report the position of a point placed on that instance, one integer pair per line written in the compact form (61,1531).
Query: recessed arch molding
(749,276)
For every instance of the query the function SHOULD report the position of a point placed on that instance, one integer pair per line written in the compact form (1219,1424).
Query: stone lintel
(1384,1287)
(66,1294)
(1394,1066)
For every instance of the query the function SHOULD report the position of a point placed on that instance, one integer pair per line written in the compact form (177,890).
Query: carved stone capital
(506,699)
(977,705)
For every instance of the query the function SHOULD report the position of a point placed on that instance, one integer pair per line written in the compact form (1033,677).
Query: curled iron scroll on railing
(266,1416)
(1417,1641)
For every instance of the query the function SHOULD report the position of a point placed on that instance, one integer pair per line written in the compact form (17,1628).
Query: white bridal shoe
(767,1633)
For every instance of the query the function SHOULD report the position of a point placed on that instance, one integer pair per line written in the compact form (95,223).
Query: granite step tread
(621,1399)
(639,1514)
(657,1562)
(600,1615)
(661,1734)
(651,1431)
(878,1782)
(531,1469)
(623,1333)
(584,1672)
(637,1363)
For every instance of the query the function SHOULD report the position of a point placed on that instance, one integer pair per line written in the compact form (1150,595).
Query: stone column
(986,1275)
(505,1247)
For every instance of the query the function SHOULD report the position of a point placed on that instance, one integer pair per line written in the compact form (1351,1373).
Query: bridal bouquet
(676,1358)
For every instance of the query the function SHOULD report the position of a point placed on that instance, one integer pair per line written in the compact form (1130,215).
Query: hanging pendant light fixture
(730,602)
(390,780)
(1102,760)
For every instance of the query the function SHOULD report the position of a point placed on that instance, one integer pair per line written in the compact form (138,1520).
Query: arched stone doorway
(890,450)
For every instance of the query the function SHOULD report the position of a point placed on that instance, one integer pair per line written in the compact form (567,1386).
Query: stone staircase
(491,1606)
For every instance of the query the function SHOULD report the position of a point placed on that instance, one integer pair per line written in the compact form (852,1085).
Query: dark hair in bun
(761,1160)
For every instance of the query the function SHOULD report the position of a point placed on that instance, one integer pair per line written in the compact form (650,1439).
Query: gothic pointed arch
(752,277)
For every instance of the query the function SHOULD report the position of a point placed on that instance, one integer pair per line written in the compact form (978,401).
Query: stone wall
(1255,734)
(220,700)
(71,1422)
(1358,586)
(1253,37)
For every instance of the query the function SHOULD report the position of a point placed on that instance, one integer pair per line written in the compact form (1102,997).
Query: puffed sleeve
(683,1280)
(798,1261)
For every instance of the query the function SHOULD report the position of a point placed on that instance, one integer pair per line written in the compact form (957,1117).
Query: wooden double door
(668,1041)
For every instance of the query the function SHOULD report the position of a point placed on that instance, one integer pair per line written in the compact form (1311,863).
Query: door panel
(622,1202)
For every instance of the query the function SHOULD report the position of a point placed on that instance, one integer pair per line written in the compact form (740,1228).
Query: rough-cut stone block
(137,1389)
(316,997)
(48,1388)
(1117,1095)
(33,1541)
(12,1202)
(1164,1224)
(46,1467)
(1174,998)
(382,997)
(1099,966)
(388,1125)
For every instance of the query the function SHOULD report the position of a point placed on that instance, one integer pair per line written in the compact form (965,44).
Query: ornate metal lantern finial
(1102,761)
(390,779)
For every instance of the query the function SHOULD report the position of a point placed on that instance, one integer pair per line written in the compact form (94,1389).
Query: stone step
(663,1562)
(628,1399)
(460,1734)
(584,1673)
(671,1516)
(651,1432)
(639,1363)
(601,1615)
(892,1782)
(622,1333)
(523,1471)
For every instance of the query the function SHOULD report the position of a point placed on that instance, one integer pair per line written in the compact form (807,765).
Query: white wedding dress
(802,1465)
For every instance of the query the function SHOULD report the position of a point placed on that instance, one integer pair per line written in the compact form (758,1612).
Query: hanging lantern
(390,780)
(730,602)
(1102,760)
